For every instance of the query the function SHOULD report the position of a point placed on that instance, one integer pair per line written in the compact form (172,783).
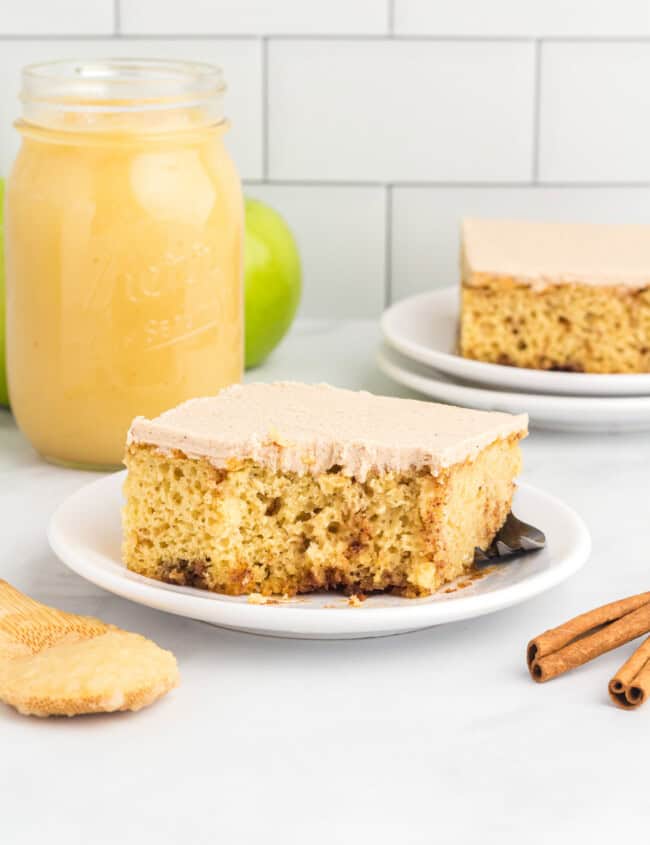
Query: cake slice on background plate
(556,296)
(288,488)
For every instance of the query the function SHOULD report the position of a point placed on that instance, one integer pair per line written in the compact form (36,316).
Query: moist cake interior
(258,525)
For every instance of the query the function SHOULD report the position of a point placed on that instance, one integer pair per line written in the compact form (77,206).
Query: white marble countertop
(409,739)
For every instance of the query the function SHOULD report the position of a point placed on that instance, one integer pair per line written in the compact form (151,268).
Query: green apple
(4,395)
(272,280)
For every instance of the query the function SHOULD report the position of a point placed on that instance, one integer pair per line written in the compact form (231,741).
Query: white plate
(85,533)
(425,327)
(557,413)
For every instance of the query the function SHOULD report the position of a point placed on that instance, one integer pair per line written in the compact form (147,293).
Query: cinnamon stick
(630,686)
(588,636)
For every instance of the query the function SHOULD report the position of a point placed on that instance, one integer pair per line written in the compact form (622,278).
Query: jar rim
(121,84)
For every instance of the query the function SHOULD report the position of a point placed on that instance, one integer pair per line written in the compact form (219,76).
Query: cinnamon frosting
(543,254)
(307,428)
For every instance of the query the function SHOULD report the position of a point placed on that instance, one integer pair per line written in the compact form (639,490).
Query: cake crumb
(258,598)
(356,599)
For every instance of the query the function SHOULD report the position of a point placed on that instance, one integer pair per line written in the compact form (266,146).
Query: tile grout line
(117,18)
(423,184)
(537,83)
(388,245)
(344,36)
(265,108)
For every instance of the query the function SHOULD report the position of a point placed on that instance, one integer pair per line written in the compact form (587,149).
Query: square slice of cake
(556,296)
(288,488)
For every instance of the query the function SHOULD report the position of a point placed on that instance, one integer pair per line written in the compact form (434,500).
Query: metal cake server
(513,539)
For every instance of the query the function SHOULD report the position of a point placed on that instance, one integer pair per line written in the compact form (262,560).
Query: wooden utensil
(54,663)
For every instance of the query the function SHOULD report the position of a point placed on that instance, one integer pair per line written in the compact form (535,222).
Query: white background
(374,125)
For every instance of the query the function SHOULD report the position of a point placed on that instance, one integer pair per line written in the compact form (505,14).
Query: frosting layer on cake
(542,254)
(306,428)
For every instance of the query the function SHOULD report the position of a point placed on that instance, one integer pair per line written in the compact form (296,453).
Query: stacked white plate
(420,352)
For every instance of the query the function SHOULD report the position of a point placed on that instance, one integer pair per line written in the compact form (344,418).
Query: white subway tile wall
(402,111)
(254,17)
(57,17)
(373,126)
(595,112)
(341,233)
(534,18)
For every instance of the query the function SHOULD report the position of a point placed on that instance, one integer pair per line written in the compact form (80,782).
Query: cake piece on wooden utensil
(556,296)
(290,488)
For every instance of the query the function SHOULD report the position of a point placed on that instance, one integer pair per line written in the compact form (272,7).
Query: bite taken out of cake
(556,296)
(289,488)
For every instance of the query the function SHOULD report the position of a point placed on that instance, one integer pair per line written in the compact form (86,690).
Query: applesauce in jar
(124,230)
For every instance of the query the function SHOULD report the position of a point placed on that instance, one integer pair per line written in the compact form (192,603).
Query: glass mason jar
(124,231)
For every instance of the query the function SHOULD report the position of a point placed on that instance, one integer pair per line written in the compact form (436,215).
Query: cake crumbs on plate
(258,598)
(356,599)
